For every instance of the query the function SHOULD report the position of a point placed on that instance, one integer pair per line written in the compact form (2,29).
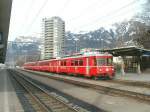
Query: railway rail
(25,99)
(131,83)
(40,98)
(144,97)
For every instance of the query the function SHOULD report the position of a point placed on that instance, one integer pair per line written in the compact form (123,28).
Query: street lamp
(25,54)
(97,43)
(76,39)
(102,42)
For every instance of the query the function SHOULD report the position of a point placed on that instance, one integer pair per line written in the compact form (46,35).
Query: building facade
(53,33)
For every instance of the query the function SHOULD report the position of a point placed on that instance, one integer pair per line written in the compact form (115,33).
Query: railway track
(24,98)
(41,100)
(131,83)
(111,90)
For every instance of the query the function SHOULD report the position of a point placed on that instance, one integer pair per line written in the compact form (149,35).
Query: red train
(89,65)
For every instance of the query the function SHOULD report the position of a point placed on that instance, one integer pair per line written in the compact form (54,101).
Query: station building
(5,13)
(131,59)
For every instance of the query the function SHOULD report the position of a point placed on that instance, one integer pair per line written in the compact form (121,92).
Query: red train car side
(93,65)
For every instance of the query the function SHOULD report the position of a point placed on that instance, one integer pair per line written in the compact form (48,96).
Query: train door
(72,67)
(50,66)
(87,67)
(58,65)
(93,67)
(81,68)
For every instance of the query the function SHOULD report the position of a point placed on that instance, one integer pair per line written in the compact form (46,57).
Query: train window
(95,62)
(72,62)
(109,61)
(61,63)
(80,62)
(46,63)
(64,63)
(101,61)
(76,62)
(104,61)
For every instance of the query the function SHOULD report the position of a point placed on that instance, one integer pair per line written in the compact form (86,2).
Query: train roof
(81,56)
(87,54)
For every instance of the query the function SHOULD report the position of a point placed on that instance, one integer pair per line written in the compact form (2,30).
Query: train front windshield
(104,61)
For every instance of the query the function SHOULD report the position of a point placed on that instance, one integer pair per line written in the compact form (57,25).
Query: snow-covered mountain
(100,38)
(24,49)
(29,39)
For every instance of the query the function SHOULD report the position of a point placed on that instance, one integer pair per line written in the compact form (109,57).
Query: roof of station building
(5,12)
(127,51)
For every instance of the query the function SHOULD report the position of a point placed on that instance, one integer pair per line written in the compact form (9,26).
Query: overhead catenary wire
(40,10)
(64,6)
(27,14)
(82,13)
(62,9)
(108,15)
(21,26)
(36,16)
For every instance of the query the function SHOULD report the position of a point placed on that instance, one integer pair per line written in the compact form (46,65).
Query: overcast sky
(79,15)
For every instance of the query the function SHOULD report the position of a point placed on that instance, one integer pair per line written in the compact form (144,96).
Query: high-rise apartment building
(53,33)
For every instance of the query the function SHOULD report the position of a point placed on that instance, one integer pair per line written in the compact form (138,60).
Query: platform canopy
(128,51)
(5,12)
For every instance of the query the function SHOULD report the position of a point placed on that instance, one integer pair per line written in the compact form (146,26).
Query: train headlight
(112,69)
(107,69)
(100,70)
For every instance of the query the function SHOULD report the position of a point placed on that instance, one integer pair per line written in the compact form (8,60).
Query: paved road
(9,101)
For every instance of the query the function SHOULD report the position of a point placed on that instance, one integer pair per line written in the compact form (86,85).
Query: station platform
(143,77)
(9,101)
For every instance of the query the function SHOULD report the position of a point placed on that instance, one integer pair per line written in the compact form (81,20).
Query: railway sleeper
(58,107)
(62,110)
